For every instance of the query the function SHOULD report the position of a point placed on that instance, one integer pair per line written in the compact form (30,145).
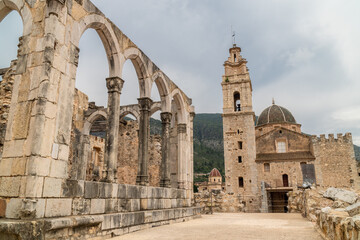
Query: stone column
(181,128)
(191,156)
(142,177)
(114,86)
(165,151)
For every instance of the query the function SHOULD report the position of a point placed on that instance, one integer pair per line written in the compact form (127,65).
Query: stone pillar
(165,149)
(181,128)
(114,86)
(191,156)
(142,177)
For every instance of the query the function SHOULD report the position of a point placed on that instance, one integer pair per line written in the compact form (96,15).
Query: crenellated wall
(335,153)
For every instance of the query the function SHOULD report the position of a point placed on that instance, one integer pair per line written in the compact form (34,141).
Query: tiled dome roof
(275,114)
(215,173)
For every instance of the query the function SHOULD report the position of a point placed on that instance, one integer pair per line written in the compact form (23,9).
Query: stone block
(13,208)
(143,192)
(91,190)
(52,187)
(173,193)
(31,186)
(10,186)
(173,203)
(81,206)
(166,214)
(139,218)
(143,204)
(63,152)
(167,192)
(73,188)
(127,219)
(116,220)
(179,203)
(38,166)
(58,207)
(105,190)
(177,213)
(133,192)
(2,207)
(58,169)
(122,191)
(354,209)
(111,205)
(147,217)
(133,205)
(106,224)
(157,216)
(5,166)
(97,206)
(18,166)
(115,188)
(171,213)
(167,203)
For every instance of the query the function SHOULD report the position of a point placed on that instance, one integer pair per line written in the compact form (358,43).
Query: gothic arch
(6,6)
(181,106)
(92,118)
(107,36)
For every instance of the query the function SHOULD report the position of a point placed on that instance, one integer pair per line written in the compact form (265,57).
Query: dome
(275,114)
(215,173)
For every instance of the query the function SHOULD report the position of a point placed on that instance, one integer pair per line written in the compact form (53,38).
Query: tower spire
(273,101)
(233,37)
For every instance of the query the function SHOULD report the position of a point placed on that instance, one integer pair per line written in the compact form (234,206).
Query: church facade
(267,157)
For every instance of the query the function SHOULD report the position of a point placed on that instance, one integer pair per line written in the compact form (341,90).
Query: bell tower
(239,131)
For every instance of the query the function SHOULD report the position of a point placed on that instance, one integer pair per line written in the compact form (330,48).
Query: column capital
(166,117)
(114,84)
(145,103)
(181,128)
(192,115)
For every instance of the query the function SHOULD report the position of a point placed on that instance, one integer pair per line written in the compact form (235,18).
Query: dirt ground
(232,226)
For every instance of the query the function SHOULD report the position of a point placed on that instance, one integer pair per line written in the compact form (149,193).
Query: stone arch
(6,6)
(92,118)
(163,89)
(105,31)
(136,57)
(156,106)
(181,105)
(130,109)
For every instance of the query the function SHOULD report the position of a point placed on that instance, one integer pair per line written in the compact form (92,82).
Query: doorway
(279,202)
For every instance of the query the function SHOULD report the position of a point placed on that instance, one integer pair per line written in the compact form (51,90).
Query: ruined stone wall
(128,155)
(128,152)
(6,86)
(335,211)
(95,167)
(335,161)
(219,201)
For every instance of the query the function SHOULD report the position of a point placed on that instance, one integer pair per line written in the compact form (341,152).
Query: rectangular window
(281,147)
(241,182)
(240,144)
(239,159)
(266,167)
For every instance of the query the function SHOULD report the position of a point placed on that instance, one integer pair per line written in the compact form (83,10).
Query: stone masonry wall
(219,201)
(336,154)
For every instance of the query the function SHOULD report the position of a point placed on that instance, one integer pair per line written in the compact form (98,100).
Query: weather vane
(233,36)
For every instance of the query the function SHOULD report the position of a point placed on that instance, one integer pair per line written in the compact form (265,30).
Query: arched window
(237,104)
(285,179)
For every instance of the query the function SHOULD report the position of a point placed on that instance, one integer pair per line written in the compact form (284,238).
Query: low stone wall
(219,201)
(335,211)
(86,209)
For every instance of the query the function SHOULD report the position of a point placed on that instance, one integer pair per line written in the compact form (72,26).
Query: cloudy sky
(304,53)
